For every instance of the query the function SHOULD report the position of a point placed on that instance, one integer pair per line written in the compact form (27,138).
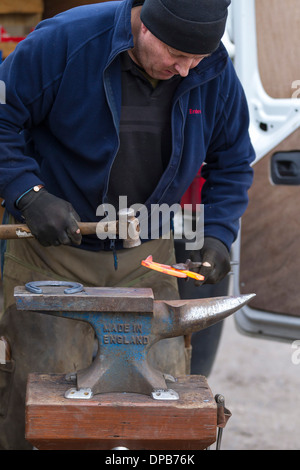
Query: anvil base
(110,420)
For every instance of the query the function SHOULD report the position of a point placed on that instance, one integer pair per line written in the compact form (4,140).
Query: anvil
(127,323)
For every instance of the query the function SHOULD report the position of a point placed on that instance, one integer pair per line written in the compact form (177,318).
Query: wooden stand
(107,421)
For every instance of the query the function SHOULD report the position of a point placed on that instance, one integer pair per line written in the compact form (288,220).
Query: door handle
(285,168)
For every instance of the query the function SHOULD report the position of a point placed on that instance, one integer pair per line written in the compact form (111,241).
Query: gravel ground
(261,386)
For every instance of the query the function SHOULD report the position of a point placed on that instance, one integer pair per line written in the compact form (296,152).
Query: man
(109,100)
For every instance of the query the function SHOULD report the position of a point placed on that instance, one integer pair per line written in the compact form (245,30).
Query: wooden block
(21,6)
(137,422)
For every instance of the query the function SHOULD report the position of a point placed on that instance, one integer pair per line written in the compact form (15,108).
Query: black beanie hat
(192,26)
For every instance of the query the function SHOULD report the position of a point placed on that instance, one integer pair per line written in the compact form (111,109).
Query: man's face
(159,60)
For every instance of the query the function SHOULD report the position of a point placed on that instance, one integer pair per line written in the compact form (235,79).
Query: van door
(267,58)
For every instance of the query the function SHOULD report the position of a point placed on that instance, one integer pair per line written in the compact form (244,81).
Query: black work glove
(215,259)
(51,220)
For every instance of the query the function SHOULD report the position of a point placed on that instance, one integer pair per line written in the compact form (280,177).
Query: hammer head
(127,322)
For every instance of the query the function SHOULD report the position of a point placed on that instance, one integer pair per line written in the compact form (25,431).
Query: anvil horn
(182,317)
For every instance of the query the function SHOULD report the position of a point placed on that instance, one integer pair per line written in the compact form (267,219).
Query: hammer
(127,227)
